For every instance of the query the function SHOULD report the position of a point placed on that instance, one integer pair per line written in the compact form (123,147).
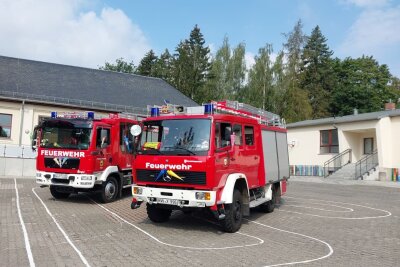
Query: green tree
(147,64)
(120,66)
(260,92)
(363,84)
(236,72)
(162,66)
(191,65)
(317,75)
(295,104)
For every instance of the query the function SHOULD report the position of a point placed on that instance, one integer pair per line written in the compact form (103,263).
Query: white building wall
(395,142)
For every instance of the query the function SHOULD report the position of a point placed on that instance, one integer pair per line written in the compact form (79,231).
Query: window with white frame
(5,125)
(329,142)
(368,145)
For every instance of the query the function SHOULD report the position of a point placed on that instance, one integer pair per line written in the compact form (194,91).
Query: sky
(88,33)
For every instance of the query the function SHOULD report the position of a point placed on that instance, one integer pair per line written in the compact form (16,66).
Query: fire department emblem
(60,161)
(167,175)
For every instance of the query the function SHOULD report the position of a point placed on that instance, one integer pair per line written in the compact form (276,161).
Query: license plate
(168,201)
(60,175)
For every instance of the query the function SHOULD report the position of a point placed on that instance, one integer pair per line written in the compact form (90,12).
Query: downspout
(21,126)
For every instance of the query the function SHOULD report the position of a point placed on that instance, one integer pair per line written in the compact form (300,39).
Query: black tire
(269,206)
(233,213)
(157,214)
(58,194)
(109,190)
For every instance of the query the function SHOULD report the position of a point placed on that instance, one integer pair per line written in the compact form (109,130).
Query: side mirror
(136,130)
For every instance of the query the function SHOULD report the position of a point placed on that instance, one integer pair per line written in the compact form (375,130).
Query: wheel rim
(110,190)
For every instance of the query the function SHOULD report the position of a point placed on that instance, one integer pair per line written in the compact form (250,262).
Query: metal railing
(365,164)
(337,162)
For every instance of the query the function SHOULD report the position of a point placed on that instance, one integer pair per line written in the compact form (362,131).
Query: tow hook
(135,204)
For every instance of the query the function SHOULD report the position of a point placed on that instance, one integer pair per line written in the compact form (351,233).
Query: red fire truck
(77,153)
(227,157)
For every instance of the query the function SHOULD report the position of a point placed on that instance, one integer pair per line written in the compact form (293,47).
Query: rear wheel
(58,193)
(109,190)
(157,214)
(233,213)
(269,206)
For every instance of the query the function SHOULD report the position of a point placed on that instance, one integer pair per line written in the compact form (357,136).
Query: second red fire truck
(78,153)
(226,157)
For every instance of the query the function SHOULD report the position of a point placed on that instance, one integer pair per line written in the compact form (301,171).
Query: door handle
(255,157)
(110,160)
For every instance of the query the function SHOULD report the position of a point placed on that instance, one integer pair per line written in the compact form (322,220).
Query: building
(30,90)
(367,143)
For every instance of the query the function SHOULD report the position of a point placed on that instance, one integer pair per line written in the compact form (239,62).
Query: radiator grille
(187,177)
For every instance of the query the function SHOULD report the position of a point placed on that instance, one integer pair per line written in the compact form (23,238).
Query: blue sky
(89,32)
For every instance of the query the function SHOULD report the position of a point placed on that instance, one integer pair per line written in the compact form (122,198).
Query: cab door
(104,148)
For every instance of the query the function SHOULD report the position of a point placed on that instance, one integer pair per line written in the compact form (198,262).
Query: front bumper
(174,197)
(64,179)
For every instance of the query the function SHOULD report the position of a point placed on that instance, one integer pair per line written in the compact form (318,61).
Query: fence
(17,161)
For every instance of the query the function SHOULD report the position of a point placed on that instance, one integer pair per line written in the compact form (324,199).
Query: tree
(317,76)
(236,72)
(191,65)
(147,64)
(295,104)
(162,66)
(363,84)
(120,66)
(260,92)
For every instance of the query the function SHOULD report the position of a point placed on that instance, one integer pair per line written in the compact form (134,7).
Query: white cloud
(375,32)
(58,31)
(367,3)
(249,59)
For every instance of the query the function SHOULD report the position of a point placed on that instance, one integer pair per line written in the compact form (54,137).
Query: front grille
(62,163)
(187,177)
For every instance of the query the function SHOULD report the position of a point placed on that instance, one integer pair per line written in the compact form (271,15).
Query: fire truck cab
(226,157)
(77,152)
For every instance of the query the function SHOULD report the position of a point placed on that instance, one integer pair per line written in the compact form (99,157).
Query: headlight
(38,174)
(137,190)
(203,195)
(86,177)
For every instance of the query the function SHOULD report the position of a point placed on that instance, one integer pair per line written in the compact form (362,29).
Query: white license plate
(168,201)
(60,175)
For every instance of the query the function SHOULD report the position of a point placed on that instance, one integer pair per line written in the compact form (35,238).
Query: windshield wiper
(182,148)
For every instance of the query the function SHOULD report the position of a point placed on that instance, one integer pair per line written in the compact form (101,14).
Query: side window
(249,135)
(103,137)
(125,138)
(223,133)
(237,130)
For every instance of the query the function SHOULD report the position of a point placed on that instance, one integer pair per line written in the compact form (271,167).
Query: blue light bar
(155,112)
(54,114)
(90,115)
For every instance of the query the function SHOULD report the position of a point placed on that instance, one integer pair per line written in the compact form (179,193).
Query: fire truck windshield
(67,138)
(176,137)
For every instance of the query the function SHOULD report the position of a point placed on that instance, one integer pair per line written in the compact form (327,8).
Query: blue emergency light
(208,108)
(90,115)
(155,112)
(54,114)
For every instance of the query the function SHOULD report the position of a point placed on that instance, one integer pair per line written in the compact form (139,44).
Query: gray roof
(76,86)
(347,119)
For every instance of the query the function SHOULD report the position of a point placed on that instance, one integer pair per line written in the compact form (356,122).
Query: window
(223,133)
(125,138)
(368,145)
(103,137)
(237,129)
(249,135)
(5,125)
(329,141)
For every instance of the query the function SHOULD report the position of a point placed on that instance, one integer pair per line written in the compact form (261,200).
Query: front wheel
(109,190)
(58,193)
(157,214)
(233,213)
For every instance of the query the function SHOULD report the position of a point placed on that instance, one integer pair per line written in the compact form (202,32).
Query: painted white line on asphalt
(343,203)
(62,231)
(302,235)
(322,209)
(260,241)
(26,238)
